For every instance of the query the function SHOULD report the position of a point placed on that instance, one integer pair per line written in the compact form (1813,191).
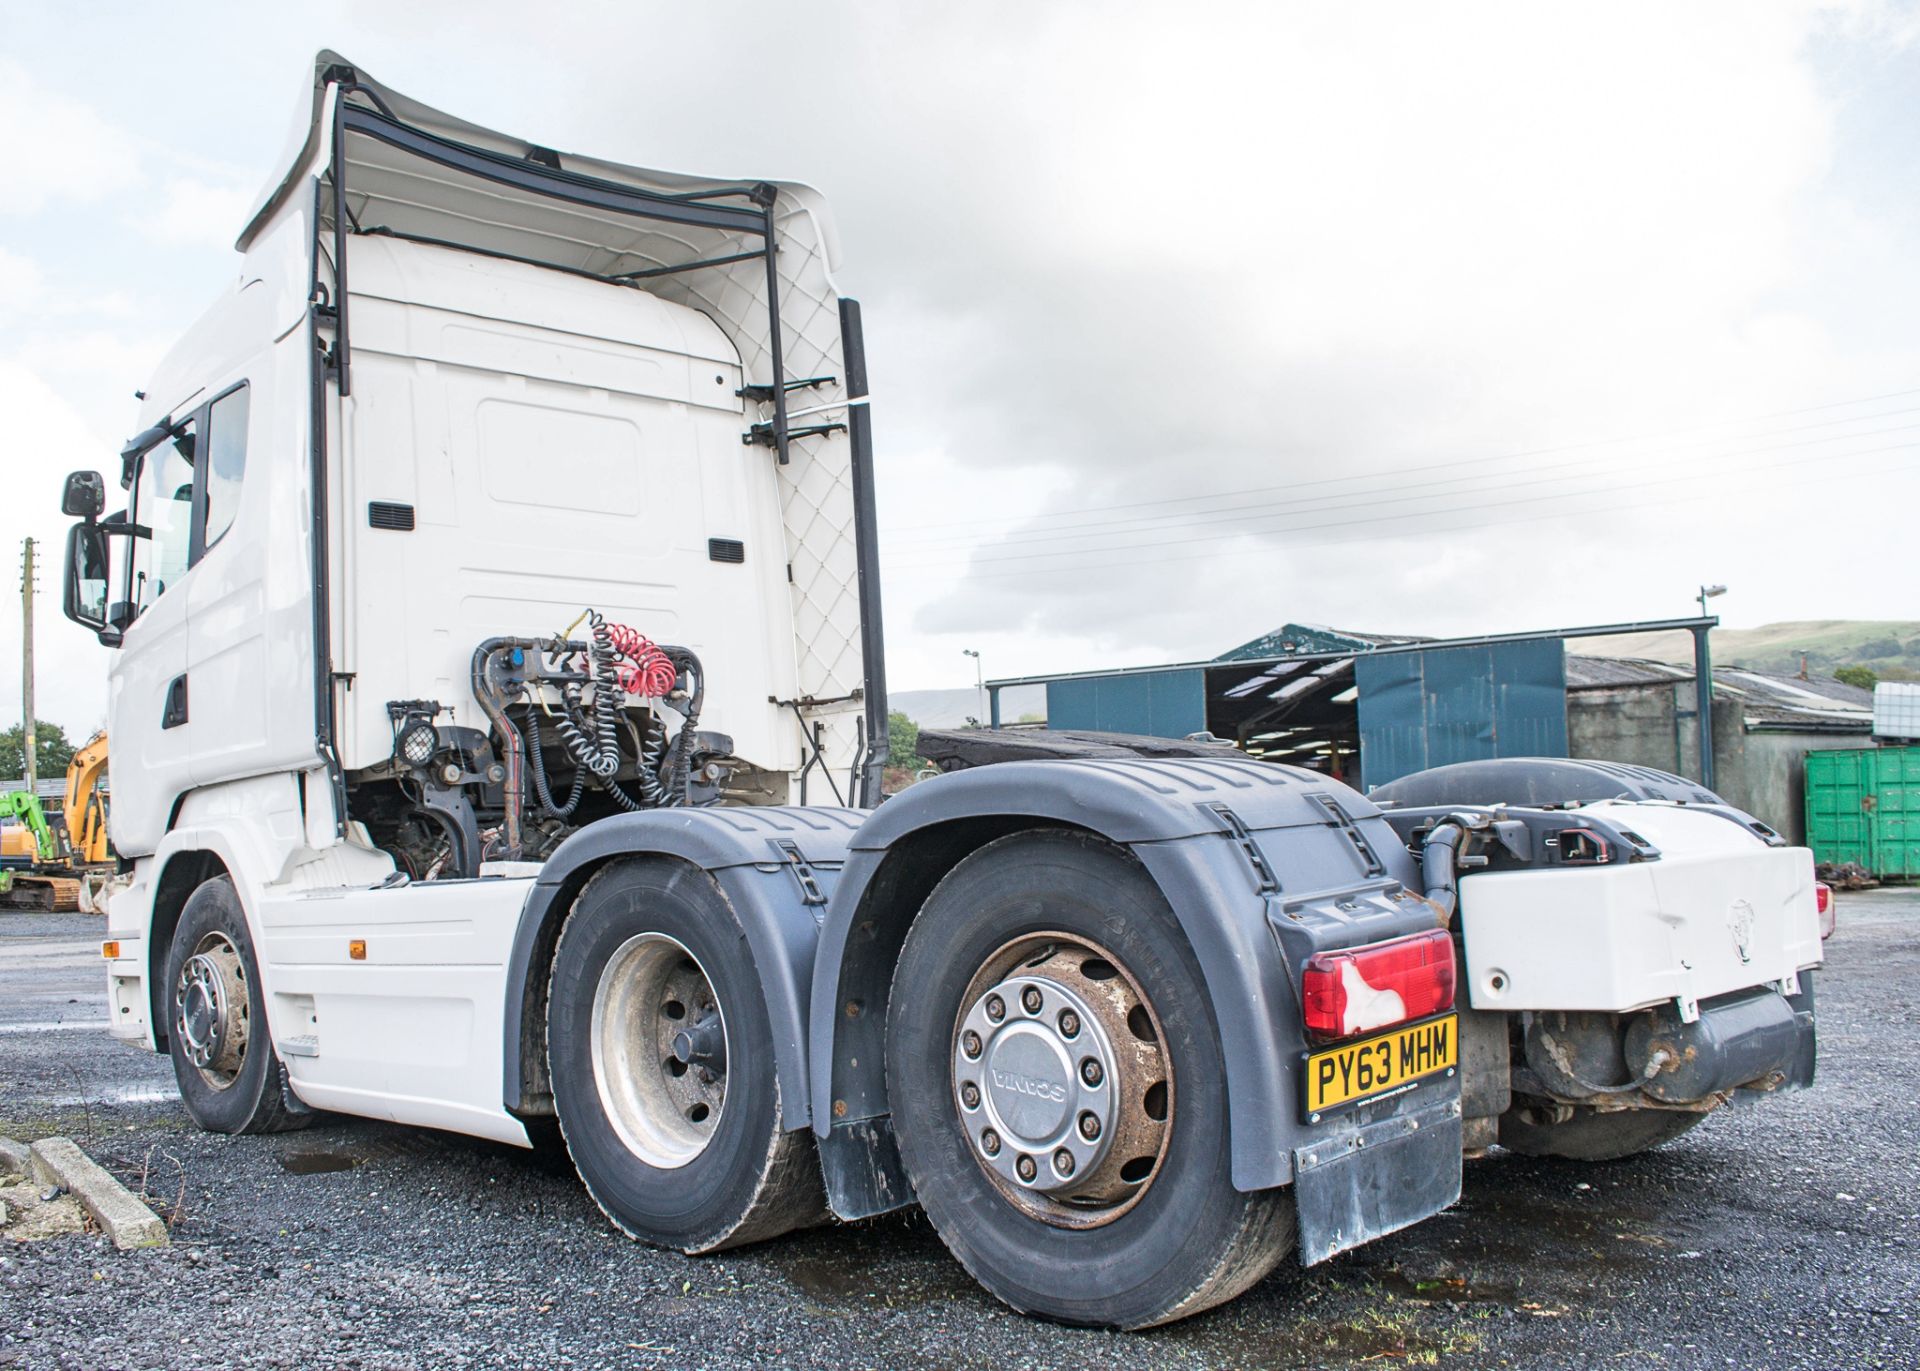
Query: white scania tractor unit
(499,712)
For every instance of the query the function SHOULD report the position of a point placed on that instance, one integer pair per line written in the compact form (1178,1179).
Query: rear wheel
(231,1079)
(661,1057)
(1058,1090)
(1590,1135)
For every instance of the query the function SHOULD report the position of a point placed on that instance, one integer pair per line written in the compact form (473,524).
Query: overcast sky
(1183,321)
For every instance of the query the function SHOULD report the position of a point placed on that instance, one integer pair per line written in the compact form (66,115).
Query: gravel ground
(1778,1236)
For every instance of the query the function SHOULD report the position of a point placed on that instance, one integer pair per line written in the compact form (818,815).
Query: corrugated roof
(1770,701)
(1311,638)
(1767,700)
(1590,673)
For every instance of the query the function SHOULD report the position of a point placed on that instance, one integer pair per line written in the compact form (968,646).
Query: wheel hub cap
(1041,1096)
(211,1011)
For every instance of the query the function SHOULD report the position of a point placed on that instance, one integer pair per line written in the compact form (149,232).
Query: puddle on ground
(832,1285)
(1445,1289)
(318,1163)
(1394,1337)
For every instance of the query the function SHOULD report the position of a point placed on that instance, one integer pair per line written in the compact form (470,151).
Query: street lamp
(980,684)
(1703,686)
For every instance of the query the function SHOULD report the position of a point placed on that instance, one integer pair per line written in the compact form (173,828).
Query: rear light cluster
(1359,989)
(1823,902)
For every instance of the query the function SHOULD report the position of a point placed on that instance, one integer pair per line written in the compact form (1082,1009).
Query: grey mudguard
(777,868)
(1263,865)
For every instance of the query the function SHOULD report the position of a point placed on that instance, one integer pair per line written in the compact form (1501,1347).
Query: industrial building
(1369,707)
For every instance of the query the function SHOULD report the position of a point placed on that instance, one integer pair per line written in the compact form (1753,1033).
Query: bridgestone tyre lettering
(750,1180)
(1190,1241)
(259,1099)
(1592,1136)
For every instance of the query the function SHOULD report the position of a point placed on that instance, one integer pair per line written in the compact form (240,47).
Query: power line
(1418,514)
(1448,465)
(1226,554)
(1279,508)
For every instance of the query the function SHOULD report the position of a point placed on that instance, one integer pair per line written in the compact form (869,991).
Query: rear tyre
(1058,1091)
(1590,1135)
(231,1079)
(661,1056)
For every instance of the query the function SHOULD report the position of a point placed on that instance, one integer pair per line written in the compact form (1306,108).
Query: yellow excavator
(59,867)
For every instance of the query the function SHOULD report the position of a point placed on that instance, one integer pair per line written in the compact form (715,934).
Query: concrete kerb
(59,1161)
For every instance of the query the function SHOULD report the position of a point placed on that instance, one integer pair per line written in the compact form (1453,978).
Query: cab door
(150,697)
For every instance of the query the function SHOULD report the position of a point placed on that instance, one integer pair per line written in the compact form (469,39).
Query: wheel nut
(990,1143)
(1025,1168)
(1089,1126)
(1090,1072)
(970,1095)
(1063,1162)
(1069,1024)
(996,1008)
(970,1043)
(1030,998)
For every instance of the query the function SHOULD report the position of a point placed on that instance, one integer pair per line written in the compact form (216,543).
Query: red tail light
(1359,989)
(1823,902)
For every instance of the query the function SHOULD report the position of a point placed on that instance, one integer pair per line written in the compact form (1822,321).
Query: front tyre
(1058,1091)
(231,1079)
(661,1057)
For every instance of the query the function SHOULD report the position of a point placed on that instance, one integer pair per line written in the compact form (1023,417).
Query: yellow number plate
(1378,1066)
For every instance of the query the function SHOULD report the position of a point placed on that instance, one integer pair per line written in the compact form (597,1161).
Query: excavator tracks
(41,894)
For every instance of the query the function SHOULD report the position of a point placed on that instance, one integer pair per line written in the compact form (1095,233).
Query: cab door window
(163,502)
(186,493)
(225,465)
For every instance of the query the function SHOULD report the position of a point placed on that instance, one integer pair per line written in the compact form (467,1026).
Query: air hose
(601,753)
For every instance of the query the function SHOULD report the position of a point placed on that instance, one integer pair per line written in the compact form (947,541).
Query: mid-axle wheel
(661,1057)
(1058,1090)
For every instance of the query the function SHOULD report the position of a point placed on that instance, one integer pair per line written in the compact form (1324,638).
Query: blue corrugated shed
(1163,704)
(1460,704)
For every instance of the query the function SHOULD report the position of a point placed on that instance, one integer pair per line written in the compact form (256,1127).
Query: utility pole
(29,730)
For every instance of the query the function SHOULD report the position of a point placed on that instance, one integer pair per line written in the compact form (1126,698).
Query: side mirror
(84,497)
(85,599)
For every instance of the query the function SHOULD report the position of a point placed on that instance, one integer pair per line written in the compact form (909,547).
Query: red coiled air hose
(648,672)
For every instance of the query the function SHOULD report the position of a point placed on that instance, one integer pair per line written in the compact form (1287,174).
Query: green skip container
(1863,805)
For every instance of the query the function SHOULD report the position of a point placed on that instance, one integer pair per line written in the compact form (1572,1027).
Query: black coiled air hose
(532,732)
(601,754)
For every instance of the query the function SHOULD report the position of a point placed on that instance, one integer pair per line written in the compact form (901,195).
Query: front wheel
(1590,1135)
(661,1057)
(231,1079)
(1058,1090)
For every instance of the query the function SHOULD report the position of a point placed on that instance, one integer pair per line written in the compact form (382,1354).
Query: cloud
(199,214)
(71,668)
(57,149)
(20,284)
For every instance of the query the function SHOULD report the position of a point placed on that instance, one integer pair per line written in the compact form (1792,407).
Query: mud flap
(1351,1188)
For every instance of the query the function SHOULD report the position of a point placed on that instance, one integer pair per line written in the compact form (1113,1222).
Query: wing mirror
(84,497)
(85,599)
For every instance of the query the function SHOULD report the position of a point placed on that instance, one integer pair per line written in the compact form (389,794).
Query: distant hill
(950,708)
(1890,646)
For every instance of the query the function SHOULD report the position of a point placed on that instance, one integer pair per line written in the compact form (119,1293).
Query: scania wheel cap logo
(1026,1075)
(1030,1085)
